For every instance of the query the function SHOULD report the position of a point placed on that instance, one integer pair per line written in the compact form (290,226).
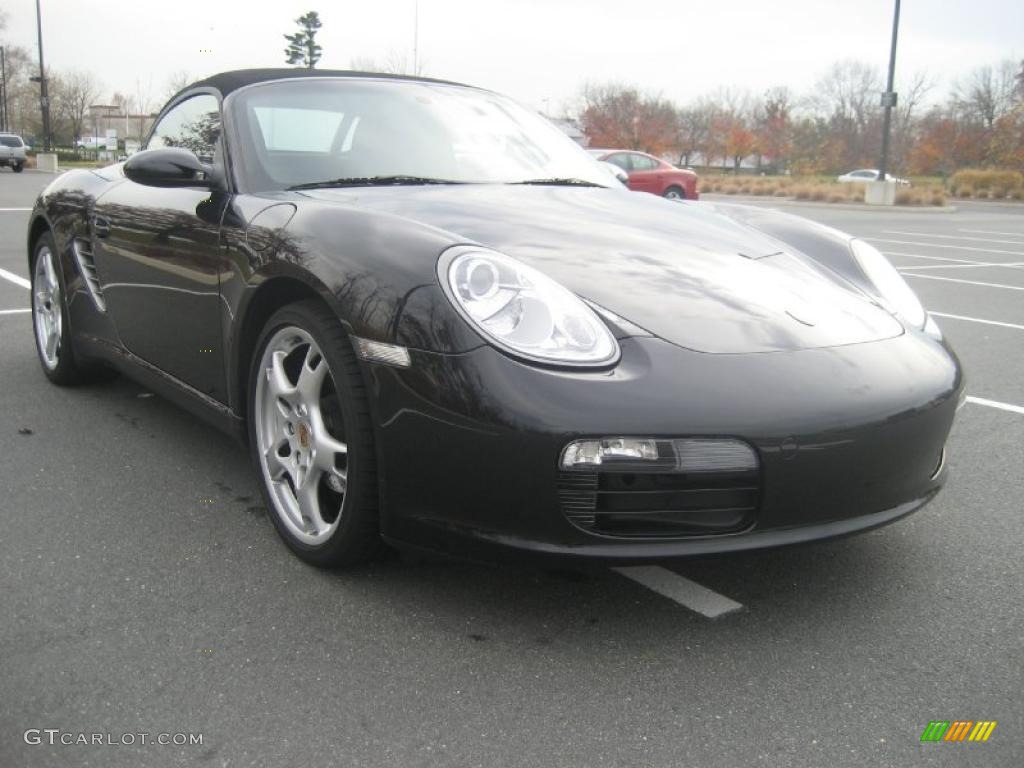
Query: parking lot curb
(716,198)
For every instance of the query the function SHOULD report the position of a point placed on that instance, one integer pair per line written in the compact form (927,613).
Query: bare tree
(394,62)
(694,125)
(912,97)
(73,93)
(22,95)
(178,81)
(847,97)
(987,93)
(142,102)
(772,125)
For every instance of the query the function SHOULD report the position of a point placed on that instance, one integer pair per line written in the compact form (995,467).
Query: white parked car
(12,151)
(868,174)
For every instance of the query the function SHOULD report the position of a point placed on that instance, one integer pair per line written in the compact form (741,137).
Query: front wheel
(50,319)
(18,167)
(675,193)
(310,437)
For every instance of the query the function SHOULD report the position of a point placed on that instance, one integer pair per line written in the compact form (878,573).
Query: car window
(620,159)
(286,129)
(293,132)
(864,174)
(10,141)
(643,163)
(194,124)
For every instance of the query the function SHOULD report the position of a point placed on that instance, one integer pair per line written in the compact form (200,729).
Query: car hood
(682,271)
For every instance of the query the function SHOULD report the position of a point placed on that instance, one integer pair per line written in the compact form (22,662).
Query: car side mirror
(616,171)
(168,167)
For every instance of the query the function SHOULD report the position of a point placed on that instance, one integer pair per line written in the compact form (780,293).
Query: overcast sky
(538,51)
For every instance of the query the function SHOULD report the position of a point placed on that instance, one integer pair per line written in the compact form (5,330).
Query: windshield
(296,133)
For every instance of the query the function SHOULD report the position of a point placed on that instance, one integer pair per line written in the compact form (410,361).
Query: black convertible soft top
(226,82)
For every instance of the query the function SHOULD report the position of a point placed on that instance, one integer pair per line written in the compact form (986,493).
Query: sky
(540,52)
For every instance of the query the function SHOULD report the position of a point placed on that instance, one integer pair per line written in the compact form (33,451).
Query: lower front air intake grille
(660,504)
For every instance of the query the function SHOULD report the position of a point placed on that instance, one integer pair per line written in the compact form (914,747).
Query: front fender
(822,244)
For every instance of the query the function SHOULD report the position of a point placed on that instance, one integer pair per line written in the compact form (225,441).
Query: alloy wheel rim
(298,423)
(672,195)
(46,305)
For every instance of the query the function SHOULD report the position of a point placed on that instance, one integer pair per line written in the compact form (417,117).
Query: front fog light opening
(646,454)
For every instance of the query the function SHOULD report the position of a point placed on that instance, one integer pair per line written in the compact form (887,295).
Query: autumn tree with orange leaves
(623,118)
(836,128)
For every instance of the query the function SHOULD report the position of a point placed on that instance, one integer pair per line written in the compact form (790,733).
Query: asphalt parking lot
(129,605)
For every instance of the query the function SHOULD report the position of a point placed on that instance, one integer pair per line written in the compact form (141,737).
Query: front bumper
(849,438)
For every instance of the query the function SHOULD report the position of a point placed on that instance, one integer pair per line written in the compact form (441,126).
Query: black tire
(18,167)
(675,193)
(356,539)
(69,368)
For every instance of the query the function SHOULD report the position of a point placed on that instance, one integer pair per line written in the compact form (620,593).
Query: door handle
(100,226)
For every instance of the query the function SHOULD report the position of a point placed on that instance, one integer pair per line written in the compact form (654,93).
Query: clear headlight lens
(891,286)
(523,310)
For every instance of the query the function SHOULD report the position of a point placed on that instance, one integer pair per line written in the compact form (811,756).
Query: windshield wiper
(560,182)
(373,181)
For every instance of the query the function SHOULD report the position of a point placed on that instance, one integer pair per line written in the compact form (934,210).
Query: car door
(643,175)
(158,256)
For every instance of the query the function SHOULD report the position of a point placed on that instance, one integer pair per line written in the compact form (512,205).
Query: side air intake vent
(87,267)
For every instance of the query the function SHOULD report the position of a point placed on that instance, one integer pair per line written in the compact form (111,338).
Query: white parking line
(14,209)
(977,320)
(1013,264)
(934,258)
(992,232)
(940,245)
(13,311)
(687,593)
(965,282)
(996,404)
(952,237)
(16,279)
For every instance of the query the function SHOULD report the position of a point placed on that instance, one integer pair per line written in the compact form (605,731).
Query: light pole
(416,37)
(3,89)
(889,97)
(44,96)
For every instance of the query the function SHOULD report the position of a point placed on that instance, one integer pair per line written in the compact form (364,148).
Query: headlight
(891,286)
(524,311)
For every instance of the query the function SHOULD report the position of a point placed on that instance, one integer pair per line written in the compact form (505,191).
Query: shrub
(989,180)
(905,197)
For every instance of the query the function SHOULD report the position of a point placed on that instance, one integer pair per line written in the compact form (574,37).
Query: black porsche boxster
(437,322)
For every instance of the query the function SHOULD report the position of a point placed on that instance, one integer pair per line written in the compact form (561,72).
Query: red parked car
(649,174)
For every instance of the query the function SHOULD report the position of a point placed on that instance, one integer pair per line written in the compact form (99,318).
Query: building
(112,117)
